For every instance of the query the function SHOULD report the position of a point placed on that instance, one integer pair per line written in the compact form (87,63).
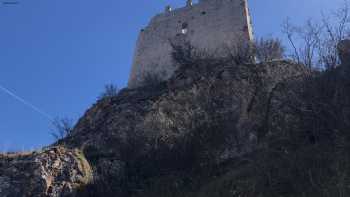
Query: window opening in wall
(184,28)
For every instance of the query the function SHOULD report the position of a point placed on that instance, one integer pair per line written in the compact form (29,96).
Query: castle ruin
(208,25)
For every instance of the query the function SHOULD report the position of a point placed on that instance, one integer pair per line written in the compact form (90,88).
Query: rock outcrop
(55,171)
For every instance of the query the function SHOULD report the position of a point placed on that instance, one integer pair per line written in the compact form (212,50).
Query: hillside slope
(269,129)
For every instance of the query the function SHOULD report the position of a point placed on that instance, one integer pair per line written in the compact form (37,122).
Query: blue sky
(59,54)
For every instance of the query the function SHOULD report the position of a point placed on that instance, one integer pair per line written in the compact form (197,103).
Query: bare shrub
(240,52)
(110,90)
(151,79)
(269,49)
(197,61)
(61,128)
(186,55)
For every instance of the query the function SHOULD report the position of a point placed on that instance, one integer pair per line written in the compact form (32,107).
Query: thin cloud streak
(26,103)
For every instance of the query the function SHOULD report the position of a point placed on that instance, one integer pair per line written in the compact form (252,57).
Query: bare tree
(336,29)
(310,34)
(61,128)
(314,44)
(269,49)
(309,37)
(289,30)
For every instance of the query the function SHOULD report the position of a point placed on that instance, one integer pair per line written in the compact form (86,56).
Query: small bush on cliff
(61,128)
(242,52)
(269,49)
(186,55)
(151,79)
(110,90)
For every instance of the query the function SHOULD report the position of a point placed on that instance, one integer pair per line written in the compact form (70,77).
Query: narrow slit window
(184,29)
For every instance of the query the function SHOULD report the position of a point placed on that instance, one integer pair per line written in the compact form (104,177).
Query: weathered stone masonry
(209,25)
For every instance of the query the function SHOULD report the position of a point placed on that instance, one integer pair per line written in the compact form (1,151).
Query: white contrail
(28,104)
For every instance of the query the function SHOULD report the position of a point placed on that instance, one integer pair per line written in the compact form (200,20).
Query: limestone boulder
(53,172)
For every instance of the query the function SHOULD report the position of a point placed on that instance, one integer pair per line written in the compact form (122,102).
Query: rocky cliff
(213,129)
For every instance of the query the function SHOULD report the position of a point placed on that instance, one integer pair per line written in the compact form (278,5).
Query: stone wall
(207,25)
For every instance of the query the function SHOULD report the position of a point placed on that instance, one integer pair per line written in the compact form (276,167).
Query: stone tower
(209,25)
